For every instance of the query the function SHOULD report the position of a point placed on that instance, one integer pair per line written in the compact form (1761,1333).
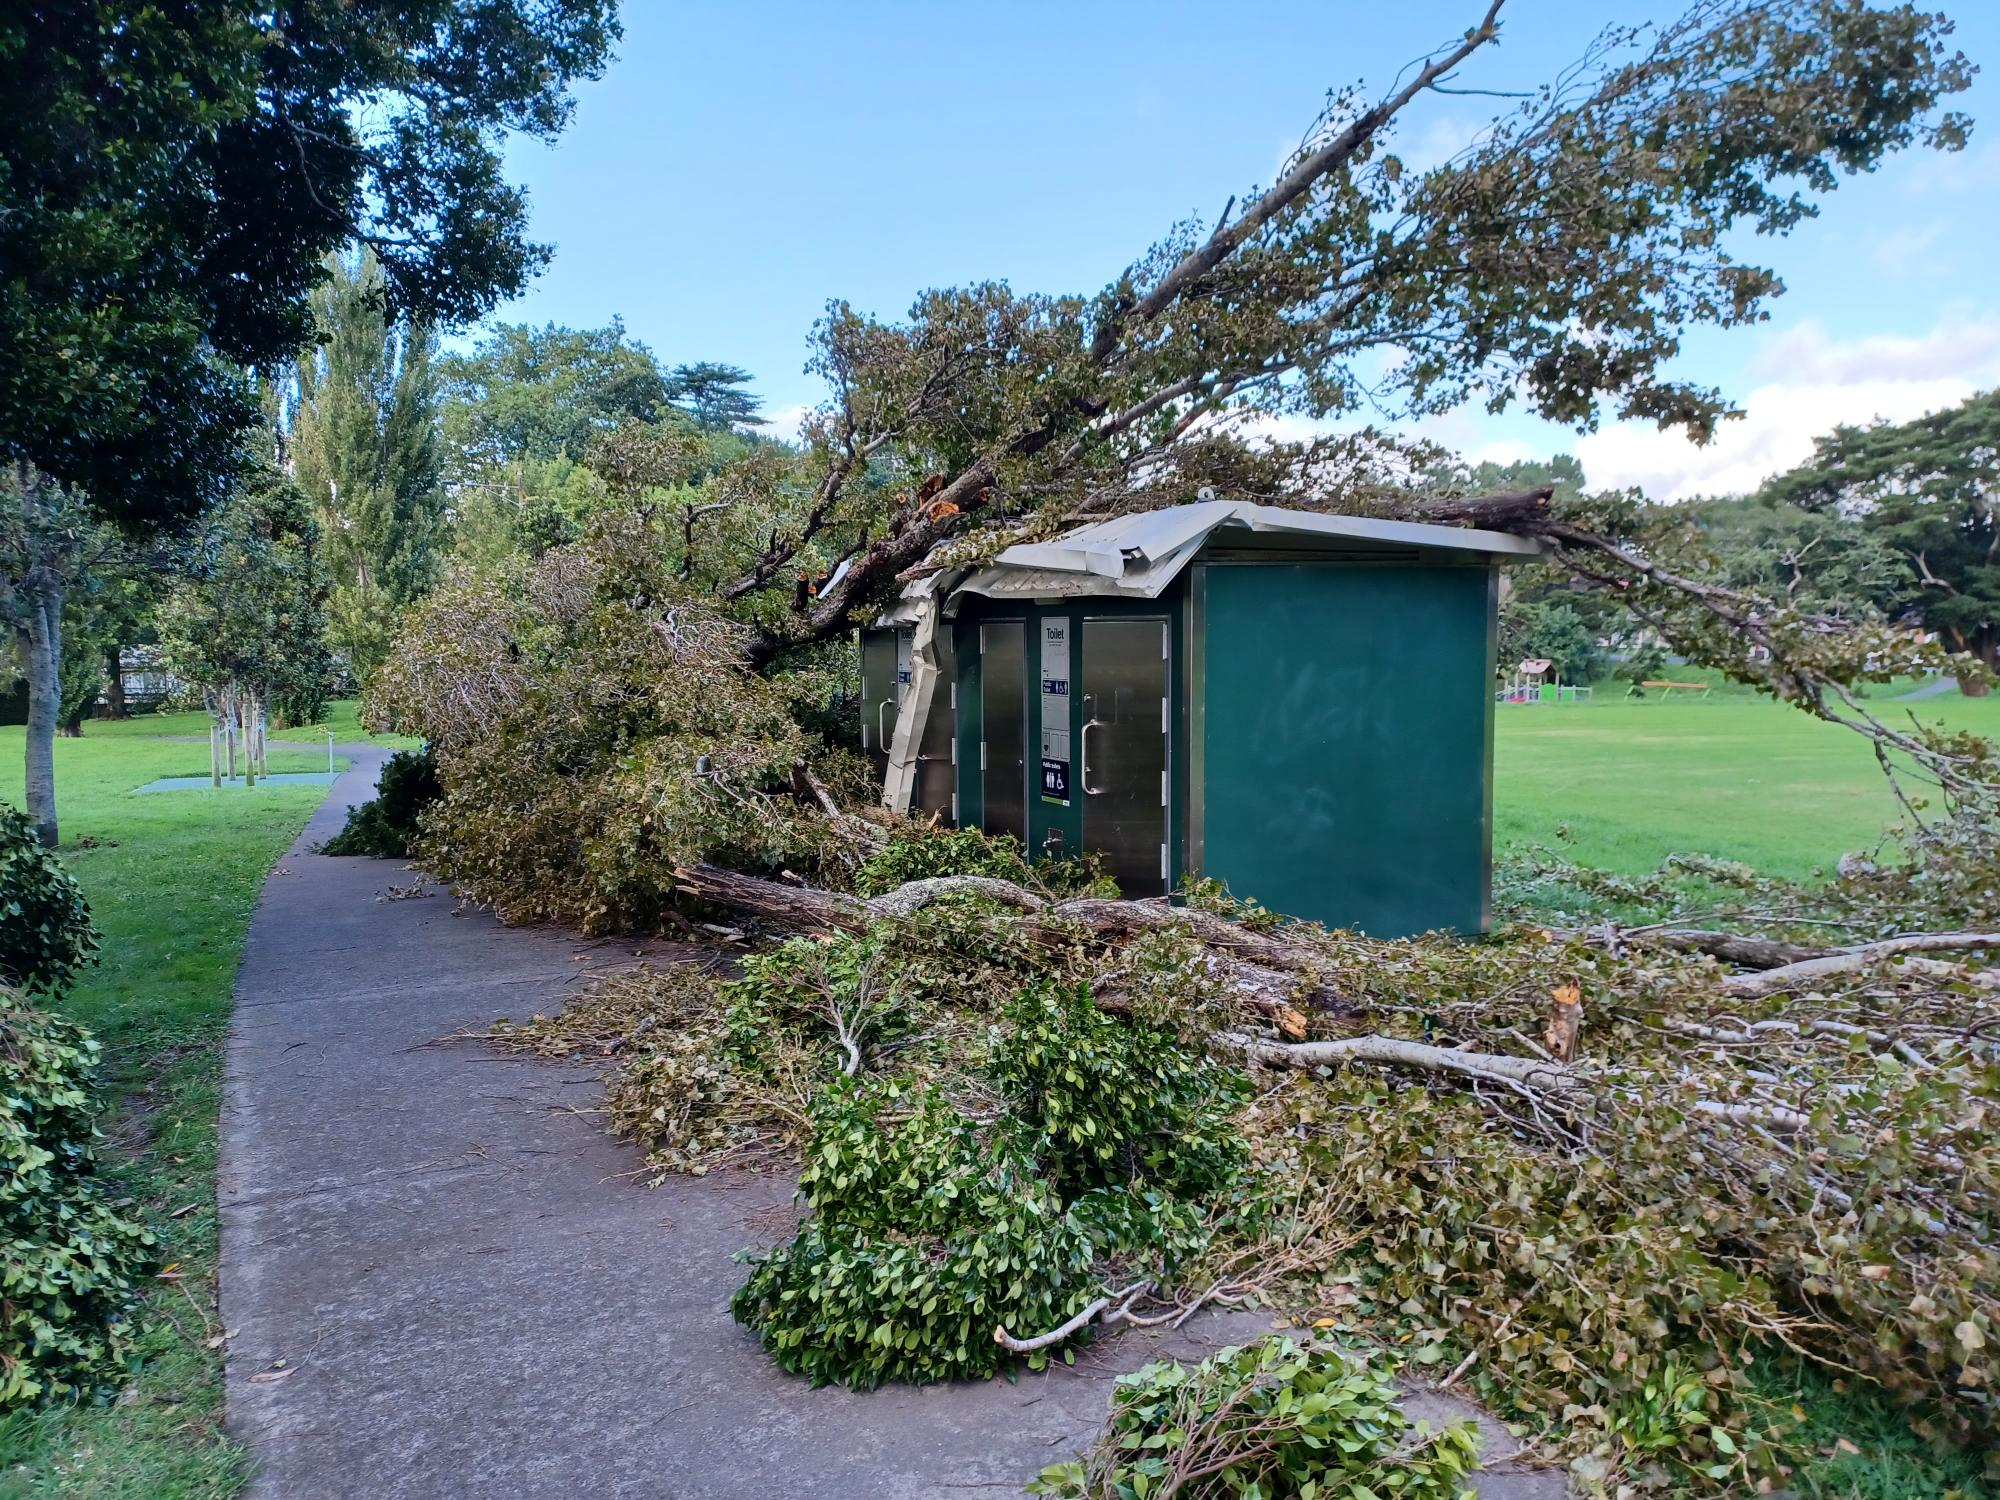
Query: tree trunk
(246,718)
(115,706)
(1265,974)
(1985,645)
(41,640)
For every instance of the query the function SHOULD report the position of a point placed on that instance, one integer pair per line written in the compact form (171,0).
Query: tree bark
(1263,973)
(1729,947)
(41,641)
(114,685)
(1491,1067)
(1806,973)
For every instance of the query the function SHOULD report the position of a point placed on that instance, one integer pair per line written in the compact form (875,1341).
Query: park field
(171,879)
(1621,783)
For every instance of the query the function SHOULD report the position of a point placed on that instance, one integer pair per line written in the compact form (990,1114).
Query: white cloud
(1929,174)
(1814,383)
(1440,140)
(1804,354)
(1910,250)
(1504,451)
(783,422)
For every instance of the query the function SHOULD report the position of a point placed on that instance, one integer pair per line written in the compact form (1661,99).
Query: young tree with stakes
(246,620)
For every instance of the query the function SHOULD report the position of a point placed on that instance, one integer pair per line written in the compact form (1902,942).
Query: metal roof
(1136,556)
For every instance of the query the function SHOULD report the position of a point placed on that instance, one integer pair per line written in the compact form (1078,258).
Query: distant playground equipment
(1667,689)
(1537,680)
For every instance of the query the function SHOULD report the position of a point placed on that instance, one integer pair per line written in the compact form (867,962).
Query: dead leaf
(270,1377)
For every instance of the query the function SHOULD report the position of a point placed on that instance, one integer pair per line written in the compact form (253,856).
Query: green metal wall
(1346,743)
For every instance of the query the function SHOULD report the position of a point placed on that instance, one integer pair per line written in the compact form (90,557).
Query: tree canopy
(172,177)
(713,395)
(1556,262)
(545,393)
(1925,489)
(362,409)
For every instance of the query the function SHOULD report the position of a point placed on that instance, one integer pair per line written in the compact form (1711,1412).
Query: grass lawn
(343,717)
(1736,776)
(171,879)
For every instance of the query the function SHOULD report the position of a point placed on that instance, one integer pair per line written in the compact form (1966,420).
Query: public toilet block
(1299,705)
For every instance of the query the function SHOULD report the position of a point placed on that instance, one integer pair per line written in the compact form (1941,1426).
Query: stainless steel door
(1124,751)
(1003,747)
(879,691)
(937,760)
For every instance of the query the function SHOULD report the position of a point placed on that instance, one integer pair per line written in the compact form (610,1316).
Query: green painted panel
(1347,764)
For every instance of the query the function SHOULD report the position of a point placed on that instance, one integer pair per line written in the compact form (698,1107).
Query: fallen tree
(1278,975)
(1585,1165)
(1573,1163)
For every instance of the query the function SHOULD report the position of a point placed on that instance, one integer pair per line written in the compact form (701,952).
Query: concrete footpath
(442,1281)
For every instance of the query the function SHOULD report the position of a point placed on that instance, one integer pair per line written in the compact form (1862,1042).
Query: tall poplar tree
(368,457)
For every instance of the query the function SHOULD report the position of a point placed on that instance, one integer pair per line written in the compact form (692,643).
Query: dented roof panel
(1137,556)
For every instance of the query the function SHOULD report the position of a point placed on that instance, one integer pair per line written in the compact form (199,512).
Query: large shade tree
(1925,489)
(714,395)
(173,175)
(528,408)
(546,393)
(1555,263)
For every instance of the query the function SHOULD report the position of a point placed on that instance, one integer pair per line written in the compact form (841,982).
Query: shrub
(1102,1102)
(596,724)
(67,1261)
(386,825)
(46,934)
(929,1230)
(924,1237)
(1272,1418)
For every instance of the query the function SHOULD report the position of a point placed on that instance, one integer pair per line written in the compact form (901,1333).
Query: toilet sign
(1055,711)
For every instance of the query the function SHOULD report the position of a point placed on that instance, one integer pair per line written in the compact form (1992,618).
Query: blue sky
(737,167)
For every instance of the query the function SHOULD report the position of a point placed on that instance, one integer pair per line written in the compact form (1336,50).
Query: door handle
(1083,747)
(881,734)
